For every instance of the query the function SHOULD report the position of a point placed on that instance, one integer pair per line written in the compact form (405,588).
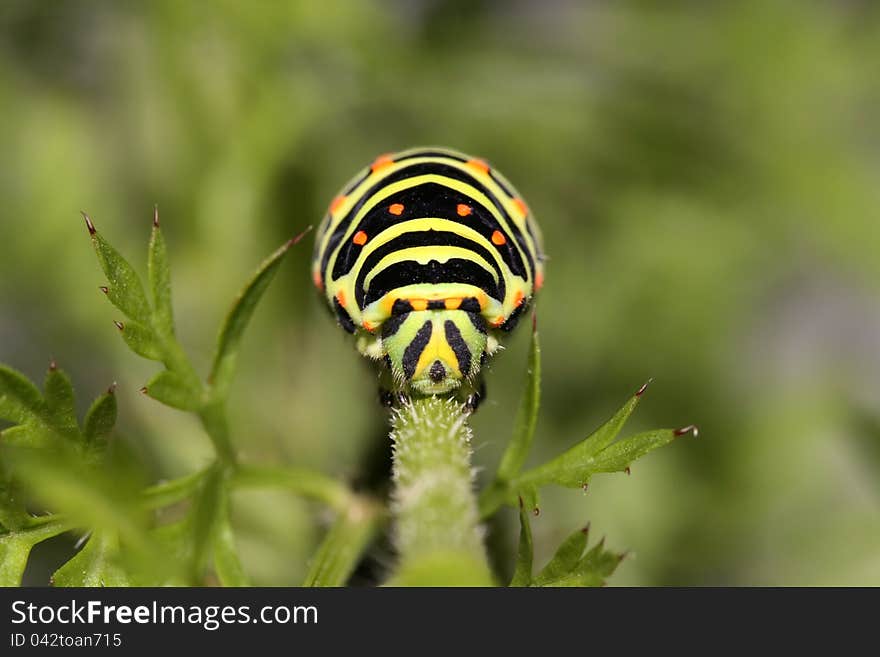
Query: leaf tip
(53,365)
(585,486)
(536,511)
(89,223)
(144,390)
(156,216)
(627,471)
(104,289)
(296,239)
(112,389)
(644,387)
(119,325)
(585,530)
(691,428)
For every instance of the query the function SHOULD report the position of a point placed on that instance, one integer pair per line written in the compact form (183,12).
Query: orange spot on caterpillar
(369,326)
(336,203)
(317,280)
(521,206)
(381,162)
(518,298)
(463,210)
(539,281)
(396,209)
(453,304)
(479,165)
(498,321)
(419,304)
(498,238)
(340,297)
(360,238)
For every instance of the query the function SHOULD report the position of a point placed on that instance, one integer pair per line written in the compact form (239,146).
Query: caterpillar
(428,256)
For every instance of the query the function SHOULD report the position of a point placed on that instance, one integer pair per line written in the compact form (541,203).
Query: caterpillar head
(435,351)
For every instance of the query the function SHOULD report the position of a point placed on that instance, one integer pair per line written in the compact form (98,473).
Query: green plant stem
(354,529)
(172,492)
(307,483)
(437,524)
(213,417)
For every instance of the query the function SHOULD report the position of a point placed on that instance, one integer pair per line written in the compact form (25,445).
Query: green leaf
(20,400)
(621,454)
(526,418)
(97,564)
(141,340)
(522,574)
(124,290)
(15,547)
(60,402)
(342,547)
(13,512)
(227,565)
(571,567)
(159,275)
(229,340)
(169,564)
(173,390)
(64,481)
(100,418)
(565,559)
(574,467)
(597,565)
(31,434)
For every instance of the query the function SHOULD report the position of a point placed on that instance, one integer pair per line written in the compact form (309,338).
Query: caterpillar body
(429,257)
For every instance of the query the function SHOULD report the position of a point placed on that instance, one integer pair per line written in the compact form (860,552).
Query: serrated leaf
(173,390)
(229,340)
(15,547)
(572,569)
(141,340)
(522,574)
(574,467)
(598,565)
(60,402)
(63,480)
(159,275)
(96,564)
(565,559)
(124,290)
(20,400)
(227,565)
(621,454)
(100,419)
(526,417)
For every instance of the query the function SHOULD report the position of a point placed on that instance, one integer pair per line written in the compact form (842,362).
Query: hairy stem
(437,532)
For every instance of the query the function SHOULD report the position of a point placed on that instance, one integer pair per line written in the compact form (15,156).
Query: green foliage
(351,534)
(229,340)
(49,459)
(73,470)
(572,565)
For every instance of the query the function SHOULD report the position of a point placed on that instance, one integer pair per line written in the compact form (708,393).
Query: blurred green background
(707,176)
